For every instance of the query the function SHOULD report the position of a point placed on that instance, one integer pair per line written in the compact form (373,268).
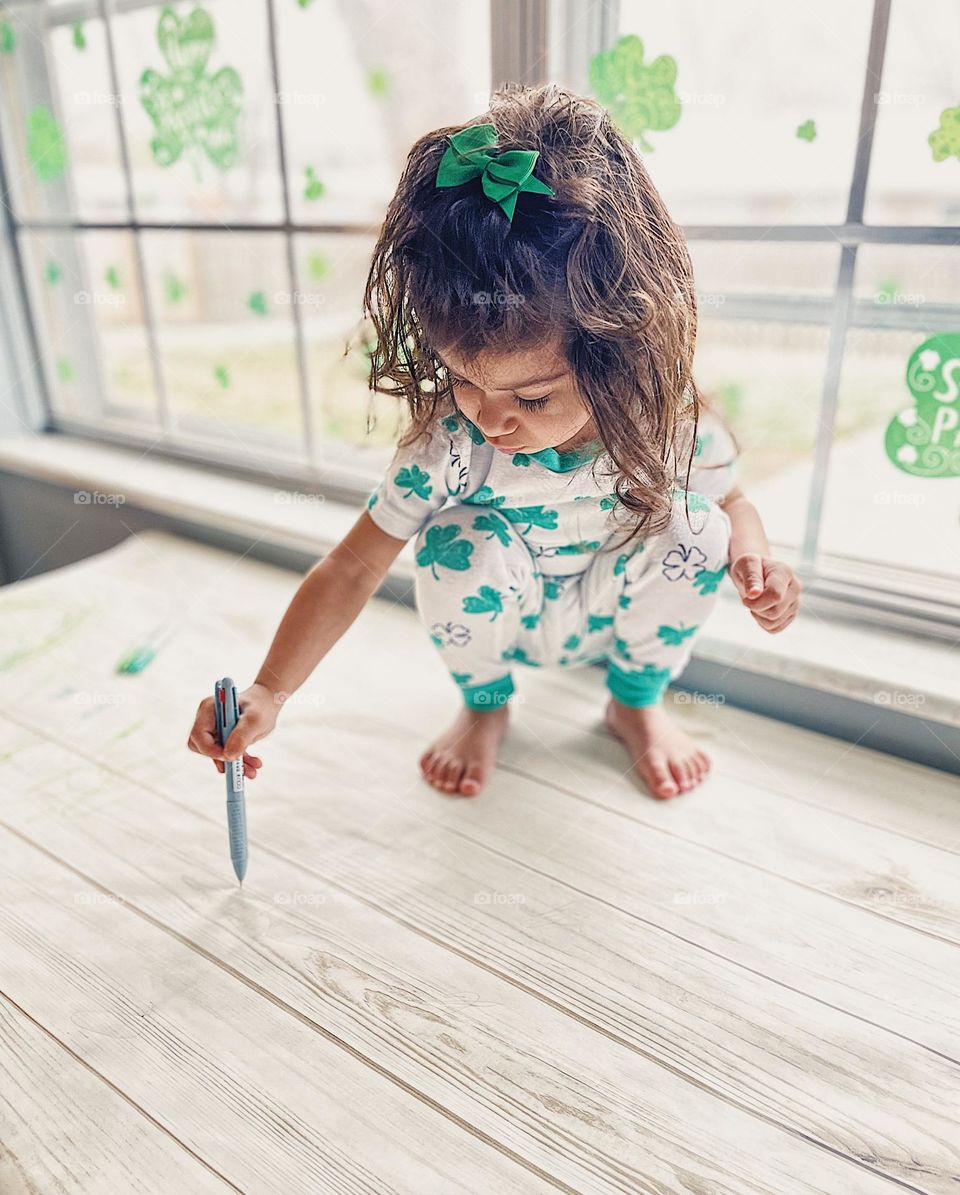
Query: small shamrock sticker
(413,479)
(443,546)
(924,439)
(257,302)
(46,148)
(53,272)
(683,563)
(378,82)
(945,140)
(174,289)
(487,598)
(317,267)
(65,369)
(192,111)
(674,636)
(313,188)
(112,277)
(494,526)
(639,96)
(8,39)
(79,37)
(807,131)
(222,375)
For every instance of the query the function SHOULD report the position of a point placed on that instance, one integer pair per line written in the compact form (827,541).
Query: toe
(679,772)
(451,775)
(658,776)
(472,780)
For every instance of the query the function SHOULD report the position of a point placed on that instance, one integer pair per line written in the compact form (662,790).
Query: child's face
(522,401)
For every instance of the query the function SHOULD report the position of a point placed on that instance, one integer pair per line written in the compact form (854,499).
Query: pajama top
(561,504)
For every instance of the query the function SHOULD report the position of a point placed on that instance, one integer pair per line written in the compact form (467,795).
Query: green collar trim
(550,458)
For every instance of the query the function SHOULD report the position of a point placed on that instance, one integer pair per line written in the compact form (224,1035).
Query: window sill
(885,673)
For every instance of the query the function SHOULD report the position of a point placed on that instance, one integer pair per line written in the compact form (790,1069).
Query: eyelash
(528,404)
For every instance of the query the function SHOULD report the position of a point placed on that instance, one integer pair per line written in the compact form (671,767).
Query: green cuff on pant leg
(488,695)
(637,687)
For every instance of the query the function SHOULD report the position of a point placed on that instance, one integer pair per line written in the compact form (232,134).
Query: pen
(228,714)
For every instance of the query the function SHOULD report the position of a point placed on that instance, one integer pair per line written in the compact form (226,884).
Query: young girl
(570,498)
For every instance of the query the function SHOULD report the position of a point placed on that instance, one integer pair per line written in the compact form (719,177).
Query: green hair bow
(503,174)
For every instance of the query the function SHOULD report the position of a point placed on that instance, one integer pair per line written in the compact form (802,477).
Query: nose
(491,426)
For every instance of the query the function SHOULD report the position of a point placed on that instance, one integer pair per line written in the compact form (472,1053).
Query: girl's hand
(258,716)
(768,588)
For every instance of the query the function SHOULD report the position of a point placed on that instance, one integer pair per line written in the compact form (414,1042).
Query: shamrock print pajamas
(520,560)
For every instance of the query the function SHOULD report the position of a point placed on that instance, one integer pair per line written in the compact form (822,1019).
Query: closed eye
(531,404)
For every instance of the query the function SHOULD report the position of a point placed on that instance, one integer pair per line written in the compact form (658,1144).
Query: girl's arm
(327,601)
(768,588)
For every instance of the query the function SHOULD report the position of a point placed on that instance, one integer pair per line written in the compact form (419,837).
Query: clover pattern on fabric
(708,580)
(443,546)
(674,636)
(531,516)
(923,440)
(552,588)
(682,563)
(598,622)
(530,621)
(494,526)
(46,147)
(944,141)
(192,111)
(520,655)
(639,96)
(415,481)
(622,648)
(462,678)
(485,496)
(487,599)
(450,634)
(521,459)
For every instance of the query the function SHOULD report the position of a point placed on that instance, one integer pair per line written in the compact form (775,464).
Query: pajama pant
(487,605)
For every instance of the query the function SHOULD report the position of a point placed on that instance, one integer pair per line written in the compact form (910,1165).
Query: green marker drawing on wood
(945,140)
(639,96)
(192,111)
(924,440)
(46,148)
(807,131)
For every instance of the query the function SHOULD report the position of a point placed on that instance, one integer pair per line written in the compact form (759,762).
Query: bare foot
(666,759)
(464,755)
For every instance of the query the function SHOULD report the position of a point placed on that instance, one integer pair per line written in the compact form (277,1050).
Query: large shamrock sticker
(191,109)
(945,140)
(924,440)
(639,96)
(442,546)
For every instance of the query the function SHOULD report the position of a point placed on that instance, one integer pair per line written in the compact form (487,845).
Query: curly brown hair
(600,263)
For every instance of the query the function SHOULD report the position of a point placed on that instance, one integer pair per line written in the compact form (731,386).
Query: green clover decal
(945,141)
(190,109)
(674,636)
(441,546)
(46,148)
(807,131)
(313,188)
(924,440)
(487,598)
(639,97)
(494,526)
(414,481)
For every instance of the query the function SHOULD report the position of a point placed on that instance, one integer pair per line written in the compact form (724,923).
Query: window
(195,190)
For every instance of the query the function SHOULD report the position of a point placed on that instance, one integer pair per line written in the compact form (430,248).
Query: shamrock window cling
(192,111)
(924,440)
(639,95)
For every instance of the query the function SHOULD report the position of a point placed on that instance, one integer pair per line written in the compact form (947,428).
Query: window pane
(199,112)
(359,83)
(911,180)
(759,124)
(221,301)
(58,117)
(88,309)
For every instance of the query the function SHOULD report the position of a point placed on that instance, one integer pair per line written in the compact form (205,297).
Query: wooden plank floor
(562,985)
